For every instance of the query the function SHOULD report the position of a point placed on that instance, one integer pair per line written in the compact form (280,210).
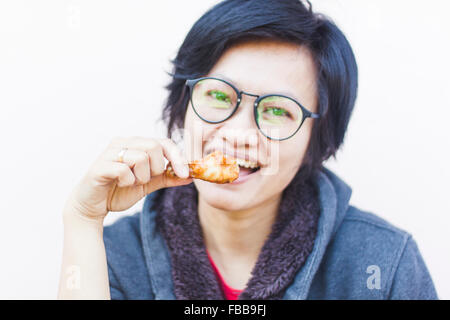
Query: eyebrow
(286,93)
(221,76)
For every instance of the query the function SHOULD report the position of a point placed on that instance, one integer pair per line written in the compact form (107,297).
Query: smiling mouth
(246,165)
(244,171)
(245,174)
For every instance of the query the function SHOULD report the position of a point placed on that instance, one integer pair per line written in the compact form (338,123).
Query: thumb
(165,181)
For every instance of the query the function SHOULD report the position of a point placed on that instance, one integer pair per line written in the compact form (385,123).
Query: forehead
(266,66)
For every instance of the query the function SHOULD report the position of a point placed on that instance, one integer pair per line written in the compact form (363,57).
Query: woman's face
(259,67)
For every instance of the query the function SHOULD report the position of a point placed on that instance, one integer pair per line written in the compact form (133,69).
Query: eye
(219,95)
(275,111)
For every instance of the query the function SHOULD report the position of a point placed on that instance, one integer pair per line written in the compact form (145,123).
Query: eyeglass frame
(190,83)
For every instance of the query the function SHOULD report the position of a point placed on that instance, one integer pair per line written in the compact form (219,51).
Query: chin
(223,198)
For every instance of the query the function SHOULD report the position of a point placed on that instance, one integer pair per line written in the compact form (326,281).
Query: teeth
(246,164)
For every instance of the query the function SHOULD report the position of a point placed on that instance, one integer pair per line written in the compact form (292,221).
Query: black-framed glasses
(277,116)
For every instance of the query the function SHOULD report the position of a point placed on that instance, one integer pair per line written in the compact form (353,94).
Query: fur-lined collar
(282,256)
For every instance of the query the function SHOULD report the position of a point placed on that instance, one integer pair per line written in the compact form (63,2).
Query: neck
(238,234)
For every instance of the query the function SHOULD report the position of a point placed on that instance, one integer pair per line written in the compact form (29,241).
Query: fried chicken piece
(215,167)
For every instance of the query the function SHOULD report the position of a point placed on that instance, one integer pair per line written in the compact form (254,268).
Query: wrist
(74,216)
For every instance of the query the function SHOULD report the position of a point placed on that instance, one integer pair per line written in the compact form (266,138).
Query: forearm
(84,271)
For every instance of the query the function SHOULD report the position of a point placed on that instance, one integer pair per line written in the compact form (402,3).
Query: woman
(273,85)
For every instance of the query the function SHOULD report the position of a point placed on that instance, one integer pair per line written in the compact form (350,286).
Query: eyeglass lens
(276,116)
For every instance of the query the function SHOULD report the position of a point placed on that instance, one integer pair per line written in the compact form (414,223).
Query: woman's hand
(111,185)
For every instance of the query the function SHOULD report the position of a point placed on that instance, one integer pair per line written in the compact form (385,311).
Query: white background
(74,74)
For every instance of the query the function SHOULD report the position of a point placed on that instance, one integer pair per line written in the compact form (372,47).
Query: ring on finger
(121,154)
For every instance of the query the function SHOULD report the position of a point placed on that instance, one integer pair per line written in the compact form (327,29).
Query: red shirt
(230,293)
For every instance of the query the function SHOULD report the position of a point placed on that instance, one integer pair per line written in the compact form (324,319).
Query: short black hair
(233,21)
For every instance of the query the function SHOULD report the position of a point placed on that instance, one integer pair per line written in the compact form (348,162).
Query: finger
(151,146)
(164,181)
(157,164)
(175,157)
(120,172)
(137,160)
(157,150)
(141,167)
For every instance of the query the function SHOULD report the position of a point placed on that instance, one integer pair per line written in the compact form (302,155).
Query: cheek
(193,132)
(188,119)
(293,151)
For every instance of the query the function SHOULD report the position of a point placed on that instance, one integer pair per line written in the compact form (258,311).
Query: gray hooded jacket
(356,255)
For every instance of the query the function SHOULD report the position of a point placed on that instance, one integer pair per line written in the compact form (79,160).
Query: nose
(241,130)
